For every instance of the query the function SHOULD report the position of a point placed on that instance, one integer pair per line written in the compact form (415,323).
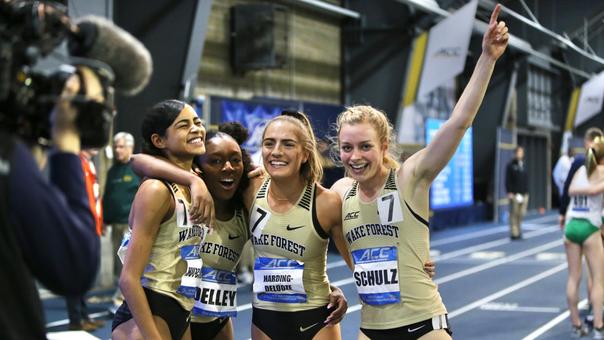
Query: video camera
(31,31)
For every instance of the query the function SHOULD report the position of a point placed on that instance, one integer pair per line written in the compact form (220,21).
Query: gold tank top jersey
(389,244)
(174,267)
(290,254)
(220,254)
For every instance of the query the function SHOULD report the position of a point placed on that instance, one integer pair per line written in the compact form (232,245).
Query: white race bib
(258,220)
(279,280)
(580,203)
(123,249)
(217,294)
(389,208)
(376,275)
(190,280)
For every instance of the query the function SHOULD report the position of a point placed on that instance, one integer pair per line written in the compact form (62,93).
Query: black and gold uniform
(389,244)
(216,296)
(172,276)
(291,288)
(174,267)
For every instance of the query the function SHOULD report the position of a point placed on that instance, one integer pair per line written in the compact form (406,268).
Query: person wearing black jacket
(47,231)
(516,185)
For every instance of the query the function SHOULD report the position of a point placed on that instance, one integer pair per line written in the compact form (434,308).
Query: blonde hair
(377,119)
(594,155)
(311,170)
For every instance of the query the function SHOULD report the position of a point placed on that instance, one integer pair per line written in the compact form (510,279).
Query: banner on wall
(447,48)
(453,187)
(254,114)
(590,99)
(437,104)
(441,61)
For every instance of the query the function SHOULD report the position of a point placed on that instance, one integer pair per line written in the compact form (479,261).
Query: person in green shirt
(120,188)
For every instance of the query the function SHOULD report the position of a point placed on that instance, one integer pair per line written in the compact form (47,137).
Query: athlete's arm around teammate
(202,204)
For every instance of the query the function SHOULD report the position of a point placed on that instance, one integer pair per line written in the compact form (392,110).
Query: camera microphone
(98,38)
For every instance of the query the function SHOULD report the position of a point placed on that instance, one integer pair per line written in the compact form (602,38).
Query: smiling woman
(401,302)
(222,169)
(291,219)
(162,267)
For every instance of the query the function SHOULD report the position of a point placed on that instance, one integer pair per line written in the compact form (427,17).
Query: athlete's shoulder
(150,187)
(327,197)
(342,185)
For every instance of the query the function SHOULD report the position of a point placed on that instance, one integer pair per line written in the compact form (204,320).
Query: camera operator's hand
(65,134)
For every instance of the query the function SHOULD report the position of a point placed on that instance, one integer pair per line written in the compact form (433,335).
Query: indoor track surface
(493,288)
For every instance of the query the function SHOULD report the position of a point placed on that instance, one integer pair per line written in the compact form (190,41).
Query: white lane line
(489,231)
(66,321)
(498,262)
(71,335)
(551,257)
(244,307)
(553,322)
(469,236)
(491,244)
(335,264)
(513,307)
(487,255)
(507,291)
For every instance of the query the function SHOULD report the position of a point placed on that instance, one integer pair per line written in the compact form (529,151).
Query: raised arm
(427,163)
(202,204)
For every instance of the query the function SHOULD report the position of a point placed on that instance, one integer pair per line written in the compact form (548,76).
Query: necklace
(273,196)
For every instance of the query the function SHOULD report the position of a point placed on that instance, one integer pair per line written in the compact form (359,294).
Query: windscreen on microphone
(98,38)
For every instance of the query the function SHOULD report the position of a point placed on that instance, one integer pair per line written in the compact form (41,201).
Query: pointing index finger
(495,14)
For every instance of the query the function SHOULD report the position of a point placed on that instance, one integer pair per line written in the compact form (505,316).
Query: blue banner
(453,187)
(252,116)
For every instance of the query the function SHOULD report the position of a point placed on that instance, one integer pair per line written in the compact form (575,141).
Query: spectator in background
(561,170)
(516,185)
(77,309)
(590,135)
(120,189)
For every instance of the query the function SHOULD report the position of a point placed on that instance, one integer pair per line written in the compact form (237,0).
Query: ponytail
(590,161)
(594,155)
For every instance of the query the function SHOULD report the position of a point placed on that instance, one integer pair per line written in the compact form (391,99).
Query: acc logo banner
(447,49)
